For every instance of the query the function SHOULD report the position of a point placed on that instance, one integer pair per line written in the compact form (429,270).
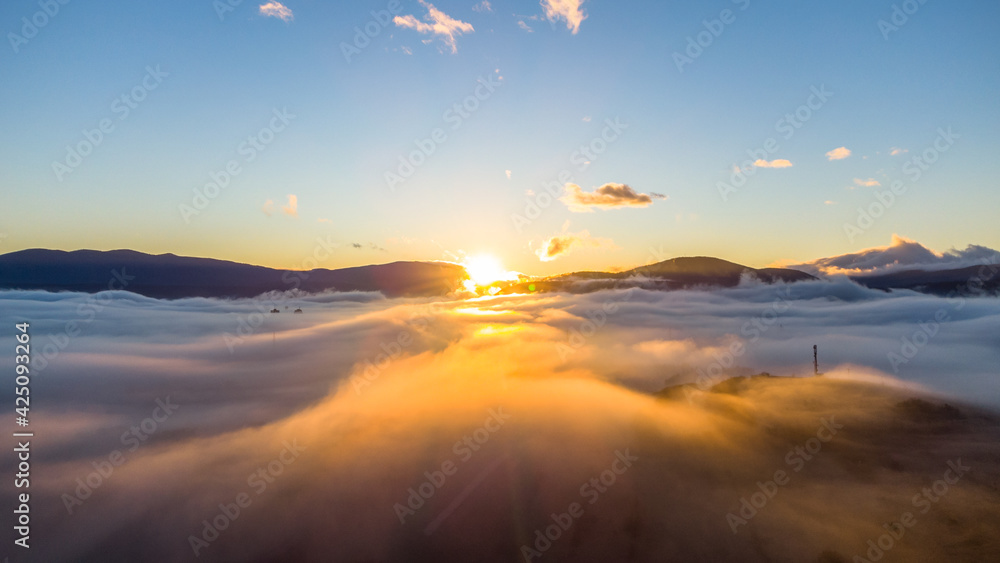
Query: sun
(485,269)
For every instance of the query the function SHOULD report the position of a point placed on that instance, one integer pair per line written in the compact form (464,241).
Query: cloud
(508,174)
(521,24)
(276,10)
(371,245)
(573,374)
(901,254)
(438,23)
(830,202)
(574,395)
(483,6)
(839,153)
(869,183)
(608,196)
(323,220)
(568,10)
(776,163)
(293,206)
(268,207)
(561,245)
(897,151)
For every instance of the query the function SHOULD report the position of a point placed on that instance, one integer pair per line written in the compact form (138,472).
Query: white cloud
(293,206)
(276,10)
(869,183)
(838,153)
(897,151)
(483,6)
(437,23)
(568,10)
(777,163)
(901,254)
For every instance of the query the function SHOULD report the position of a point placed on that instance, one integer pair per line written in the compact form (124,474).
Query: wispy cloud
(869,183)
(483,6)
(276,10)
(371,245)
(437,23)
(838,153)
(561,245)
(898,151)
(777,163)
(608,196)
(293,206)
(508,174)
(568,10)
(268,207)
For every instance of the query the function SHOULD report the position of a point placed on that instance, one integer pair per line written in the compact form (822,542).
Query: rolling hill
(170,276)
(677,273)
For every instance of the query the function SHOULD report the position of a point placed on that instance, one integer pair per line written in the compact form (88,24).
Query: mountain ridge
(171,276)
(676,273)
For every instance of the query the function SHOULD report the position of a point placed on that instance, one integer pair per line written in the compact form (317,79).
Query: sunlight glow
(484,269)
(483,312)
(496,330)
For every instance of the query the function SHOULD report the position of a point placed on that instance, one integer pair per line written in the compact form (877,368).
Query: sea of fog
(342,411)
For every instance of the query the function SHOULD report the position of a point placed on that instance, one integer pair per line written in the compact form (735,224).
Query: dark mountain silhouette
(677,273)
(170,276)
(972,280)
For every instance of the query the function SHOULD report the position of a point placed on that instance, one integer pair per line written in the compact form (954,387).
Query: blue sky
(556,80)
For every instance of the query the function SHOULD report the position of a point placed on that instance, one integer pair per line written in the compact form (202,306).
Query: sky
(255,131)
